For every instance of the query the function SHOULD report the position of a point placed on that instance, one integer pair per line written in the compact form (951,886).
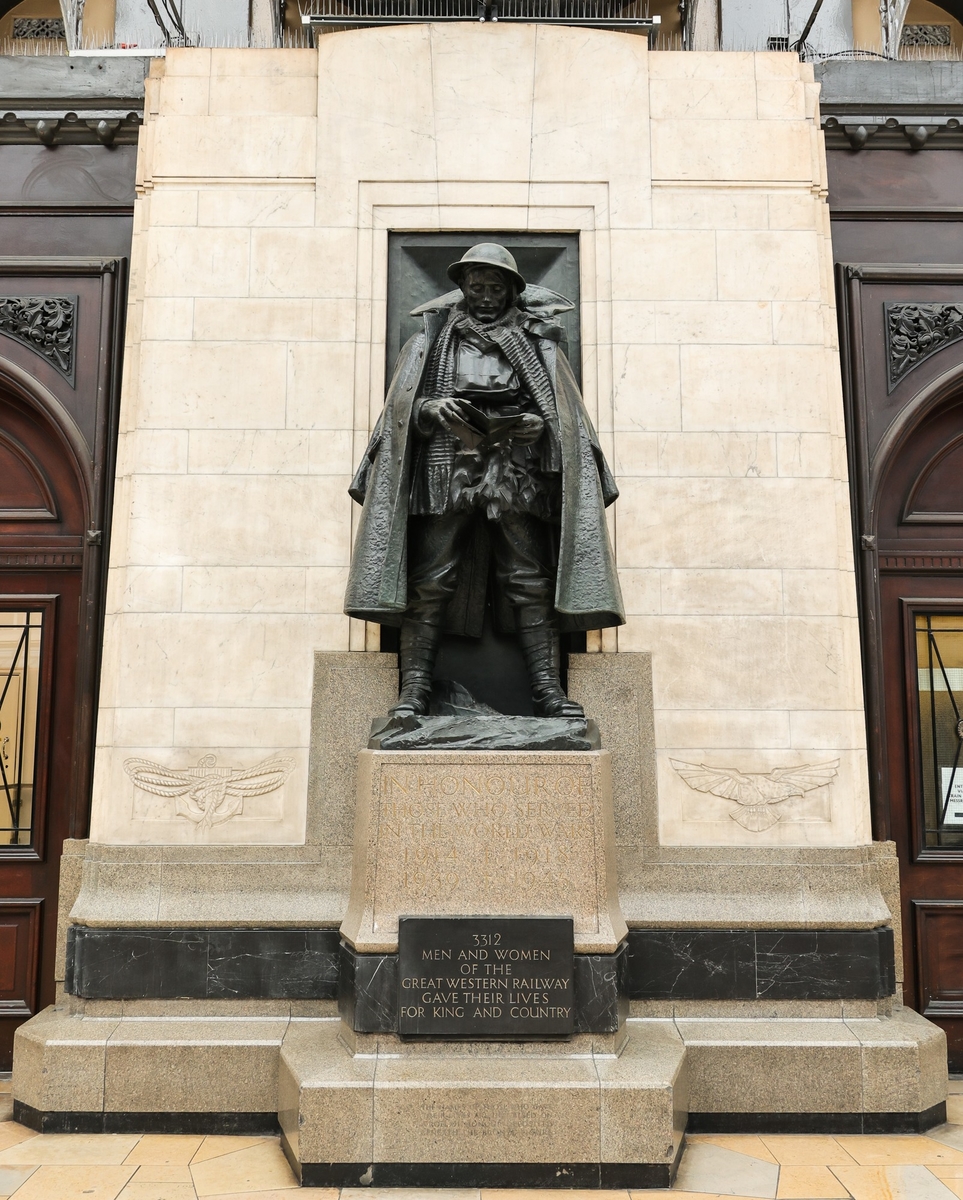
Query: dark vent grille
(609,14)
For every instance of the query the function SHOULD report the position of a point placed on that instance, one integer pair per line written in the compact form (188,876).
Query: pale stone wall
(255,370)
(231,526)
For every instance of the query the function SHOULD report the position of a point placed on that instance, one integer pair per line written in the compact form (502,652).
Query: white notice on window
(954,810)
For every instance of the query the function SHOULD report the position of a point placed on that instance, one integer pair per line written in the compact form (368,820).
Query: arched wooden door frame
(62,429)
(44,570)
(68,407)
(910,578)
(903,463)
(90,441)
(916,413)
(944,391)
(867,463)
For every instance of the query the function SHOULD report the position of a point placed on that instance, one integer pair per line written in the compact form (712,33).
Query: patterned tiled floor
(764,1167)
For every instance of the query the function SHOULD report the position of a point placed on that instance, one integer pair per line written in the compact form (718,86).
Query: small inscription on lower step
(487,978)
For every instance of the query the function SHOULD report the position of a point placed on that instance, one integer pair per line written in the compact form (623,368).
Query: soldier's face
(487,293)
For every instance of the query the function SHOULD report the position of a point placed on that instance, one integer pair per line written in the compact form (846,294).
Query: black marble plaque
(486,978)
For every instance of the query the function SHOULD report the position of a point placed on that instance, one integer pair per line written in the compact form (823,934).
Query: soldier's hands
(441,412)
(448,409)
(528,430)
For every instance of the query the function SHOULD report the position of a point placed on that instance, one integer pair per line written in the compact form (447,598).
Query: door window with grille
(21,639)
(939,661)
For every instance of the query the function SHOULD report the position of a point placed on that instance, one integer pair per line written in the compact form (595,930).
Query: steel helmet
(486,254)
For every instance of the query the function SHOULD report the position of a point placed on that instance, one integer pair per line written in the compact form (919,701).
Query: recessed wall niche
(491,668)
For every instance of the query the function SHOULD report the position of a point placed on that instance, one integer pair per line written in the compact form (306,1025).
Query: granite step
(579,1114)
(593,1111)
(81,1074)
(816,1075)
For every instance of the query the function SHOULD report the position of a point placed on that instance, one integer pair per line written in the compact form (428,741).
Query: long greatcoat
(587,594)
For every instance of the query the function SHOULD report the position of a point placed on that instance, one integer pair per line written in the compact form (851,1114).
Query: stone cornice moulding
(866,129)
(193,182)
(21,126)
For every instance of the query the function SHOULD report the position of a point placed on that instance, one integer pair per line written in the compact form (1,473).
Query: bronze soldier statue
(484,464)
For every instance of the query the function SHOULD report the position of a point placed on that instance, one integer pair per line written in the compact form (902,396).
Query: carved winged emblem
(756,792)
(208,794)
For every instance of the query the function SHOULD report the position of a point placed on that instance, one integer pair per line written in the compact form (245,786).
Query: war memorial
(481,791)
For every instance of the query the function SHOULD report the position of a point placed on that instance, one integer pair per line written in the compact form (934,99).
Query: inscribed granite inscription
(494,836)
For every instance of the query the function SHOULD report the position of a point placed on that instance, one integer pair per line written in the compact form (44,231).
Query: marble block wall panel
(71,876)
(736,888)
(254,371)
(471,1099)
(232,523)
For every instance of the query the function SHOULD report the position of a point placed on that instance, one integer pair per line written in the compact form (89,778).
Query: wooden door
(902,353)
(42,526)
(65,228)
(920,559)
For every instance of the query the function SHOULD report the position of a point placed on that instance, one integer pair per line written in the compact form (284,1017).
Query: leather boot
(539,645)
(417,652)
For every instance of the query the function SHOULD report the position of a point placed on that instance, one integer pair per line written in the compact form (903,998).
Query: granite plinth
(455,833)
(481,731)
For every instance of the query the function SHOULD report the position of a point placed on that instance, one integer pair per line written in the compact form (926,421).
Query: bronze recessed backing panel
(417,273)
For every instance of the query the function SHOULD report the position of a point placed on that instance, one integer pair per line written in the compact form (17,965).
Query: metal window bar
(19,788)
(932,696)
(603,14)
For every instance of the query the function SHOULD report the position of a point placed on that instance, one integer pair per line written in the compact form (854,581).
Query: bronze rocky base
(456,720)
(479,731)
